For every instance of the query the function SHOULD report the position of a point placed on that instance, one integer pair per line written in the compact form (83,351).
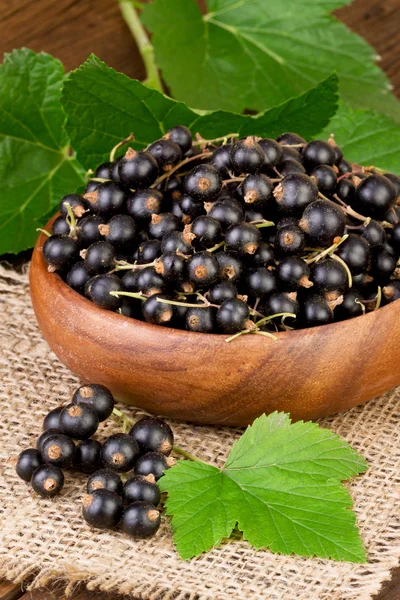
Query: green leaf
(36,169)
(367,138)
(281,485)
(253,54)
(104,106)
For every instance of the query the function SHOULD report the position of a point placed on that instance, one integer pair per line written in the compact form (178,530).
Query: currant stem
(378,298)
(261,224)
(345,266)
(271,317)
(113,152)
(329,250)
(71,220)
(179,165)
(219,139)
(216,247)
(123,266)
(145,47)
(137,295)
(187,304)
(44,231)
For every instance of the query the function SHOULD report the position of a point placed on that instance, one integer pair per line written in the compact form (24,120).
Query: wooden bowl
(199,377)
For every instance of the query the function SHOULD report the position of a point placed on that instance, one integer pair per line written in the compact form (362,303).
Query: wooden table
(72,29)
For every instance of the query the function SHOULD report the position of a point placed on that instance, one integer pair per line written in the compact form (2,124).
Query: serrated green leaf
(366,137)
(281,484)
(36,169)
(253,54)
(104,106)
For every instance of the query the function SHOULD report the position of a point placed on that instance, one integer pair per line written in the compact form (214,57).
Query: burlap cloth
(48,539)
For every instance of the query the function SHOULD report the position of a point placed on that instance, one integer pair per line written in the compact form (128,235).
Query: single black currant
(221,291)
(158,313)
(105,479)
(383,265)
(272,152)
(337,150)
(97,396)
(153,463)
(88,230)
(148,252)
(59,450)
(391,291)
(243,238)
(317,153)
(102,509)
(203,183)
(203,269)
(180,135)
(325,178)
(247,156)
(108,199)
(395,237)
(350,307)
(374,196)
(120,452)
(281,302)
(103,171)
(78,205)
(323,221)
(293,273)
(88,456)
(119,231)
(395,179)
(99,258)
(222,161)
(114,175)
(176,241)
(344,167)
(232,315)
(91,186)
(374,234)
(227,212)
(60,251)
(294,193)
(60,226)
(149,281)
(289,240)
(230,266)
(257,189)
(137,169)
(207,230)
(79,421)
(191,207)
(290,139)
(291,167)
(47,481)
(251,215)
(355,252)
(166,153)
(162,224)
(45,436)
(143,204)
(77,277)
(345,190)
(201,320)
(291,154)
(28,461)
(393,215)
(52,419)
(141,489)
(171,266)
(263,257)
(153,435)
(140,520)
(260,282)
(329,276)
(314,311)
(129,281)
(172,188)
(99,289)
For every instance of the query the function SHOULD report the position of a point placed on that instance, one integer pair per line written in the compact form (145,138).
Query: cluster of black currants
(232,235)
(108,502)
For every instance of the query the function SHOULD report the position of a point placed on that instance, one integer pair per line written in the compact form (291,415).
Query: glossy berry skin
(393,215)
(88,456)
(281,302)
(374,234)
(247,156)
(162,224)
(344,167)
(203,183)
(329,276)
(291,154)
(60,251)
(243,238)
(290,167)
(395,237)
(103,171)
(28,461)
(88,230)
(317,153)
(148,252)
(141,489)
(153,463)
(374,196)
(395,179)
(350,307)
(180,135)
(129,281)
(120,452)
(153,435)
(105,479)
(315,311)
(201,320)
(120,230)
(138,170)
(140,520)
(171,266)
(325,178)
(99,289)
(289,240)
(227,212)
(272,152)
(166,153)
(79,421)
(323,221)
(203,269)
(191,207)
(383,265)
(102,509)
(257,190)
(108,199)
(232,316)
(293,273)
(60,226)
(98,397)
(260,282)
(176,241)
(52,419)
(263,257)
(221,160)
(143,204)
(99,258)
(230,266)
(207,230)
(219,292)
(114,175)
(295,193)
(391,291)
(158,313)
(355,252)
(150,282)
(78,205)
(59,450)
(290,139)
(45,436)
(346,189)
(47,481)
(91,186)
(77,277)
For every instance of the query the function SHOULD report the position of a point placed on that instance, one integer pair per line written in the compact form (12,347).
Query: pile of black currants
(144,450)
(250,235)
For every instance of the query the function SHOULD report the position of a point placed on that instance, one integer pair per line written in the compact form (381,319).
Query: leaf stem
(145,47)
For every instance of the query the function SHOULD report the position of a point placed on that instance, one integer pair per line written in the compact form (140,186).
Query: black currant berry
(221,160)
(289,240)
(396,182)
(153,463)
(224,290)
(60,251)
(260,282)
(88,456)
(291,155)
(201,320)
(227,212)
(99,258)
(79,421)
(108,199)
(391,291)
(344,167)
(294,193)
(290,139)
(203,269)
(59,450)
(88,230)
(176,241)
(153,435)
(323,221)
(149,251)
(207,230)
(395,237)
(52,419)
(345,190)
(141,489)
(355,252)
(105,479)
(143,204)
(114,175)
(162,224)
(158,313)
(350,307)
(191,207)
(77,277)
(247,156)
(263,257)
(257,189)
(337,150)
(102,509)
(45,436)
(119,231)
(314,311)
(243,238)
(129,281)
(329,276)
(293,273)
(232,315)
(120,452)
(325,178)
(60,226)
(383,265)
(91,186)
(172,187)
(230,266)
(99,289)
(103,171)
(374,234)
(203,183)
(97,396)
(140,520)
(317,153)
(78,205)
(393,215)
(374,196)
(171,266)
(272,152)
(281,302)
(252,215)
(137,170)
(28,461)
(166,153)
(180,135)
(291,167)
(47,481)
(149,282)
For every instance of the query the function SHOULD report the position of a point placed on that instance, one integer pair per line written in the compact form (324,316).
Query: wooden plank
(10,591)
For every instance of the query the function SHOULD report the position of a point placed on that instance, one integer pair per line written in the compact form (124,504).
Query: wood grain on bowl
(198,377)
